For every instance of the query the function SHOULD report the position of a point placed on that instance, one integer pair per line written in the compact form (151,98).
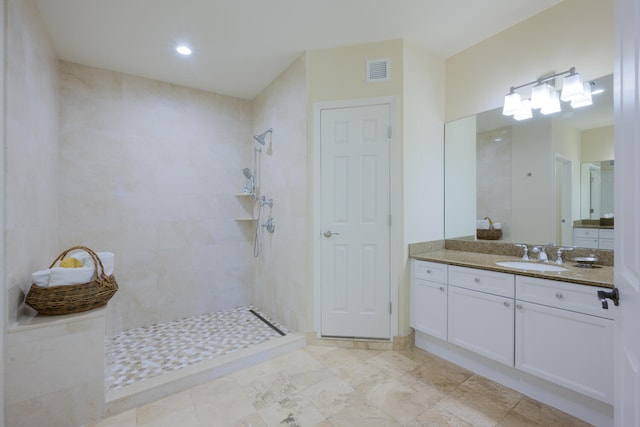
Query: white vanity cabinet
(429,298)
(593,238)
(563,334)
(481,312)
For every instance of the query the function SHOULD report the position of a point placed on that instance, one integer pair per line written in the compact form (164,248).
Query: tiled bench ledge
(54,372)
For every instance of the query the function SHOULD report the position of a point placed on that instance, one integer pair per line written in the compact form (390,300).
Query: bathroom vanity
(546,334)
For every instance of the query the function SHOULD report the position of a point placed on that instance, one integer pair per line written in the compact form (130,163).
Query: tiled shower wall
(31,150)
(281,288)
(149,171)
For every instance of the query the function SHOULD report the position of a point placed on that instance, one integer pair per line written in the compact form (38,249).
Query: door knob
(330,233)
(613,295)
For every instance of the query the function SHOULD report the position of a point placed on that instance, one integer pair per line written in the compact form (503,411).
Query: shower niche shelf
(244,196)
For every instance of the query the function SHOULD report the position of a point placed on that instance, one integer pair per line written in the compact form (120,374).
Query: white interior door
(564,224)
(627,211)
(355,222)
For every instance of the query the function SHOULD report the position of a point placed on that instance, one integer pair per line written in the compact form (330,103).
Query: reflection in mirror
(596,188)
(537,178)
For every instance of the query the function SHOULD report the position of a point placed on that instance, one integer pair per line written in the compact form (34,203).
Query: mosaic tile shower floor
(143,353)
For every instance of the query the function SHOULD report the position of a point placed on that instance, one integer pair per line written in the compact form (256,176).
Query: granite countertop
(598,275)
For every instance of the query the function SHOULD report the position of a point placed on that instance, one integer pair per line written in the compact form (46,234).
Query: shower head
(247,173)
(260,137)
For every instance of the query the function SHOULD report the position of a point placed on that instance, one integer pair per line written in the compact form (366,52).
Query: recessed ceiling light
(183,50)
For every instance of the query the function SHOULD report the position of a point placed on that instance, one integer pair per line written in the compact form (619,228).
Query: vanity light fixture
(545,97)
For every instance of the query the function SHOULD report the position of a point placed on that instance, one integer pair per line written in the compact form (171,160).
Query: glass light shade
(552,105)
(183,50)
(540,95)
(511,104)
(572,87)
(524,112)
(585,100)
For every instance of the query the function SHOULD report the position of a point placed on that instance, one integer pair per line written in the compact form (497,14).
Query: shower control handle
(330,233)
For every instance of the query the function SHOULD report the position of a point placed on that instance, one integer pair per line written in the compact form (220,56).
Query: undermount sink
(531,266)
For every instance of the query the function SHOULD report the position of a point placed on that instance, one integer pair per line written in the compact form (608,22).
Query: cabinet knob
(507,304)
(428,271)
(519,306)
(559,295)
(442,288)
(476,280)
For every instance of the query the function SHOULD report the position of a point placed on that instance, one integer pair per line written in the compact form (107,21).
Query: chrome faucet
(542,254)
(525,256)
(559,259)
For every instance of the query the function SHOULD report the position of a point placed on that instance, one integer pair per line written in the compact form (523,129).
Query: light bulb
(183,50)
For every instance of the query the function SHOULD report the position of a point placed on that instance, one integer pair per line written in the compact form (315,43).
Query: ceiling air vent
(378,70)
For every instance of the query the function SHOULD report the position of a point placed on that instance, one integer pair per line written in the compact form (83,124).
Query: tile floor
(327,386)
(142,353)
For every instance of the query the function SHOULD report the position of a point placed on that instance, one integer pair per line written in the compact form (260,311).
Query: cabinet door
(571,349)
(429,308)
(482,323)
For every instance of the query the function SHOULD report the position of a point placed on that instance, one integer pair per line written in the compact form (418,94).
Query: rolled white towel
(41,278)
(108,262)
(497,225)
(482,224)
(61,276)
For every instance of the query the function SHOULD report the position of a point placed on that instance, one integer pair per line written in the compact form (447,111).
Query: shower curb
(143,392)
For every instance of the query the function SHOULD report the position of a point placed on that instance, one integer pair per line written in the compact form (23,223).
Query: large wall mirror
(538,178)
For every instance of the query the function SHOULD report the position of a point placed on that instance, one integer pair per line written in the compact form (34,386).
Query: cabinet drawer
(585,242)
(605,233)
(585,232)
(431,271)
(567,296)
(482,280)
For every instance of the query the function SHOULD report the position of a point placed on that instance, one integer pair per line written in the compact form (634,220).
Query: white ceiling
(240,46)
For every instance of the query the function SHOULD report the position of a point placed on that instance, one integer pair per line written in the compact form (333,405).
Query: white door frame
(394,155)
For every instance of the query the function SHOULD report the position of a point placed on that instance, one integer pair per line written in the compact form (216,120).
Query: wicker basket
(56,300)
(490,234)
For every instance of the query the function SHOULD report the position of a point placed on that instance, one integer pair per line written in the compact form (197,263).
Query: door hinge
(390,309)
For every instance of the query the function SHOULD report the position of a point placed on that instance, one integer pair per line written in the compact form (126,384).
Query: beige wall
(574,33)
(281,288)
(340,73)
(149,171)
(417,84)
(596,144)
(422,180)
(31,191)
